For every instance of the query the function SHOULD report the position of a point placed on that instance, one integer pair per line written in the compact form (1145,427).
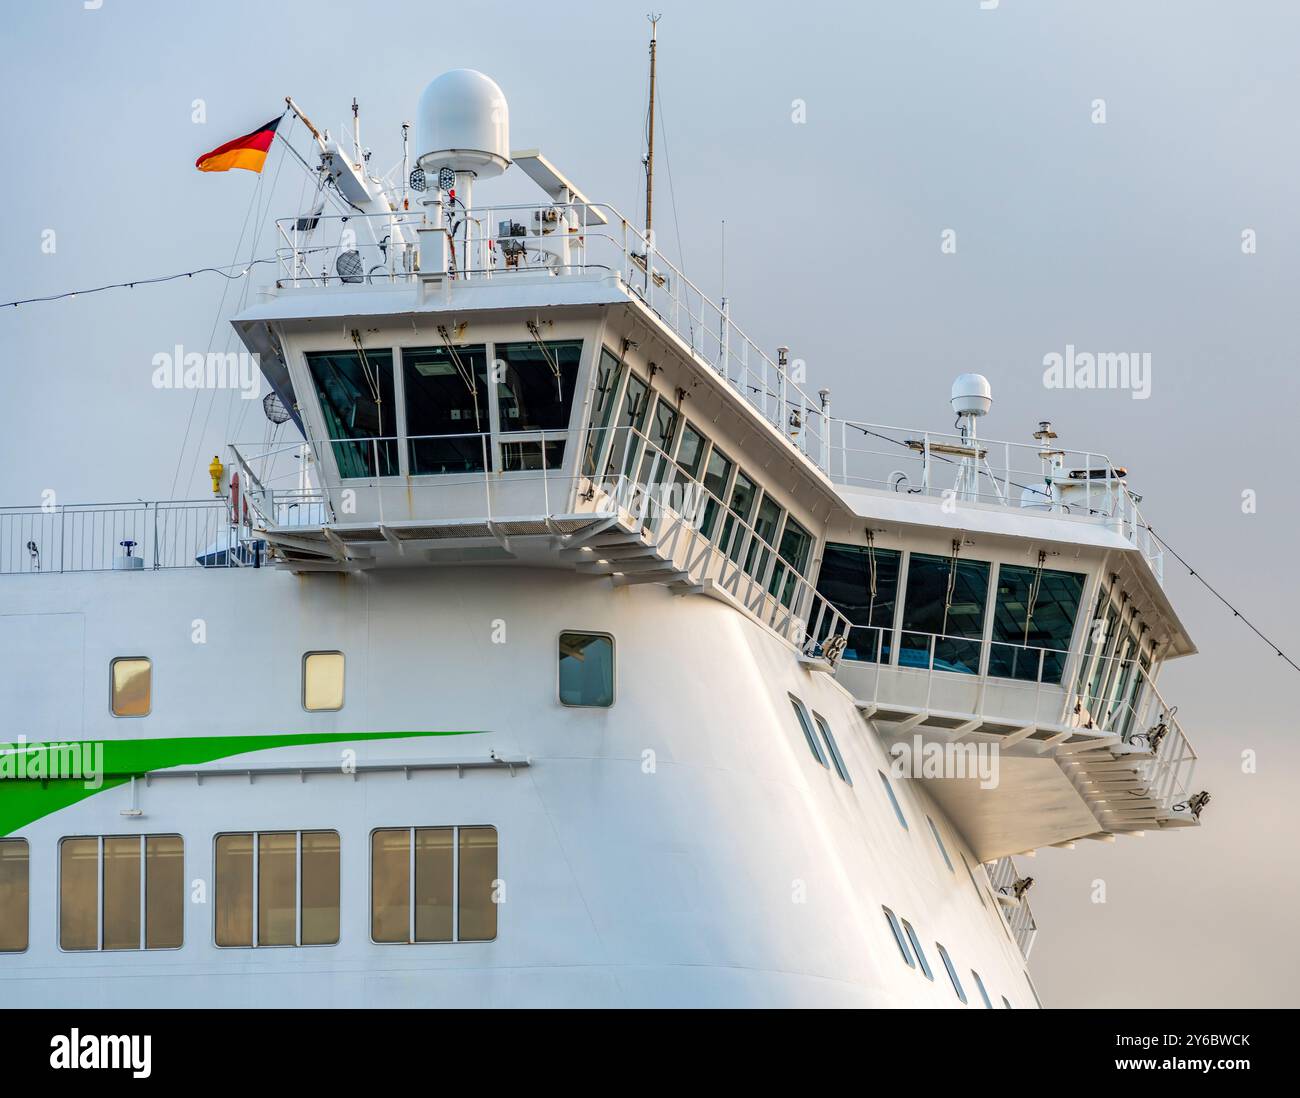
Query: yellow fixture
(214,471)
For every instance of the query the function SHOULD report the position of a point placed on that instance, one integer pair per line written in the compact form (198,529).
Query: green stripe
(25,801)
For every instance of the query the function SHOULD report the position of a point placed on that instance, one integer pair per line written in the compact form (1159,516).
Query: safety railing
(509,241)
(960,469)
(1027,683)
(1005,880)
(124,537)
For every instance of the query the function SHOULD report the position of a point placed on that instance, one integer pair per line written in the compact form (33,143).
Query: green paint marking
(24,801)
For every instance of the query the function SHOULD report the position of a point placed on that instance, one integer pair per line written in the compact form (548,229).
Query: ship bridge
(538,385)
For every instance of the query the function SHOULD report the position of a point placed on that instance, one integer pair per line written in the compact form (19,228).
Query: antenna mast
(650,133)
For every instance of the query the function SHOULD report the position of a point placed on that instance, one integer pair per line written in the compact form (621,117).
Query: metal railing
(1125,702)
(1028,477)
(1003,876)
(619,470)
(123,537)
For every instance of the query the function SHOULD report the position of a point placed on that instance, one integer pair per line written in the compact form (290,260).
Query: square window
(322,681)
(132,681)
(587,669)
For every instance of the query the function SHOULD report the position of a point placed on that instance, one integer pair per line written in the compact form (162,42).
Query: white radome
(972,395)
(463,123)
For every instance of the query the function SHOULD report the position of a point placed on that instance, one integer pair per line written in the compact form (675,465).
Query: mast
(650,139)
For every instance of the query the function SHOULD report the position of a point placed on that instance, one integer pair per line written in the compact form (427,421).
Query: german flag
(248,152)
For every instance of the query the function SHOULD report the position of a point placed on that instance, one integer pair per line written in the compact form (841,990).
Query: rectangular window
(944,607)
(283,885)
(833,748)
(717,478)
(608,374)
(322,680)
(938,841)
(1033,622)
(889,789)
(625,443)
(447,413)
(792,560)
(587,669)
(132,686)
(861,582)
(952,972)
(433,884)
(916,948)
(535,392)
(805,725)
(359,409)
(121,892)
(766,521)
(744,494)
(988,1004)
(15,892)
(527,456)
(898,937)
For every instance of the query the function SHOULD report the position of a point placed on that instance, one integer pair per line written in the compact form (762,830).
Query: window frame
(832,748)
(916,948)
(938,841)
(112,689)
(893,800)
(952,973)
(343,699)
(900,938)
(455,830)
(143,838)
(27,910)
(613,667)
(979,985)
(253,835)
(805,723)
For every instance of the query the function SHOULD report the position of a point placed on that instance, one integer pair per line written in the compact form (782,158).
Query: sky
(1116,176)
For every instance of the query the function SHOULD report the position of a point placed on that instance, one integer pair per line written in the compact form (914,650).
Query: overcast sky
(919,118)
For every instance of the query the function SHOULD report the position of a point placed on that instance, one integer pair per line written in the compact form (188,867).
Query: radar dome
(463,123)
(972,395)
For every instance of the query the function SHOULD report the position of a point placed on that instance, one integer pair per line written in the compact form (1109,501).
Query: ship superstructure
(568,651)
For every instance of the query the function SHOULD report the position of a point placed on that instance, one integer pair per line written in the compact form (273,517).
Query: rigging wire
(144,282)
(1209,587)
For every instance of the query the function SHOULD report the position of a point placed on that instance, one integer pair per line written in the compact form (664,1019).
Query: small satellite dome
(972,395)
(463,123)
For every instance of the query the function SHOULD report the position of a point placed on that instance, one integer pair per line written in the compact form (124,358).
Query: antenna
(650,133)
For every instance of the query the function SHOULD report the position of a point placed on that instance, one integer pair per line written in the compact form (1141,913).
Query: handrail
(1003,877)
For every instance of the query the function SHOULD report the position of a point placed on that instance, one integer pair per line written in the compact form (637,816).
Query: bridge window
(952,972)
(943,613)
(806,726)
(535,394)
(132,686)
(833,749)
(898,937)
(1033,622)
(861,582)
(447,413)
(15,891)
(744,494)
(277,888)
(359,409)
(433,884)
(766,522)
(121,892)
(717,479)
(623,446)
(916,948)
(608,374)
(322,681)
(587,670)
(792,559)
